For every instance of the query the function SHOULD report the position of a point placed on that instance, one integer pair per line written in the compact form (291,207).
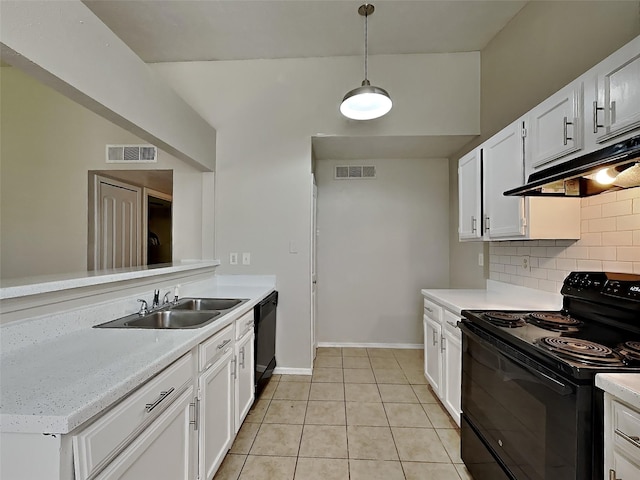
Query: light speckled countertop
(497,295)
(625,386)
(54,386)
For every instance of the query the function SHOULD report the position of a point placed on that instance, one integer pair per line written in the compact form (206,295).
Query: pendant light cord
(366,43)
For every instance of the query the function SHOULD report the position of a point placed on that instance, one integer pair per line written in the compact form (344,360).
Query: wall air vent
(351,172)
(132,154)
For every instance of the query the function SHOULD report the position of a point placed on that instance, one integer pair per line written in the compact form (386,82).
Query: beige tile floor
(365,414)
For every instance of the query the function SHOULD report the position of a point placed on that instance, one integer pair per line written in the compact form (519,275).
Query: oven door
(534,423)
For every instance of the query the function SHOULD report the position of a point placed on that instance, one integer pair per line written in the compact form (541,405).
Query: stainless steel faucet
(144,309)
(156,299)
(165,299)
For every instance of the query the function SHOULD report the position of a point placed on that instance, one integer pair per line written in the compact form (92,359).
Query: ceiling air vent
(350,172)
(132,154)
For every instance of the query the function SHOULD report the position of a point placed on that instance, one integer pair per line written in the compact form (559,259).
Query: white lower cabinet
(178,425)
(621,440)
(216,416)
(432,355)
(245,373)
(452,361)
(162,450)
(443,356)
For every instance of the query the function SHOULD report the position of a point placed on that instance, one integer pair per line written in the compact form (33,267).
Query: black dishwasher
(265,342)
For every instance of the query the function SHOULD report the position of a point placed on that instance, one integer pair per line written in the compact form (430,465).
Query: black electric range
(530,409)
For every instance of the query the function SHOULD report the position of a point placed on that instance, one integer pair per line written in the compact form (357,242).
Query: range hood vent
(612,168)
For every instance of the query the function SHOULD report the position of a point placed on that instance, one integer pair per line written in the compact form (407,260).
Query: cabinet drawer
(97,444)
(626,427)
(433,310)
(216,347)
(451,324)
(244,325)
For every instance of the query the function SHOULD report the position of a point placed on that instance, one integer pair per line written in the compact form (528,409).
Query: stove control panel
(594,284)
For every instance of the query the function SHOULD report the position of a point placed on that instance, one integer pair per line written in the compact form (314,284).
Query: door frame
(313,267)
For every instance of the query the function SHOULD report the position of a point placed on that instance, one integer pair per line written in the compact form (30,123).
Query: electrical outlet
(233,258)
(246,258)
(526,263)
(481,259)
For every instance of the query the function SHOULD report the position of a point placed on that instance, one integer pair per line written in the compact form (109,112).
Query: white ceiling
(192,30)
(188,30)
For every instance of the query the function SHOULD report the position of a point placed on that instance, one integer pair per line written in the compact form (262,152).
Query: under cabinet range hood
(612,168)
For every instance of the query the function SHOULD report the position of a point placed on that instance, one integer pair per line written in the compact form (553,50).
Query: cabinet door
(245,387)
(216,433)
(452,359)
(433,355)
(555,127)
(470,196)
(617,108)
(163,450)
(625,468)
(503,166)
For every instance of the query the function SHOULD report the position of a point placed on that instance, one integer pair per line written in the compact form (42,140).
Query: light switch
(293,247)
(233,258)
(246,258)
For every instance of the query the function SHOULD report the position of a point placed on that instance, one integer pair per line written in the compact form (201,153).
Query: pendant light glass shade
(366,102)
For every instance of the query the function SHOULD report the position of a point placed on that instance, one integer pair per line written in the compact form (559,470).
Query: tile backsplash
(610,241)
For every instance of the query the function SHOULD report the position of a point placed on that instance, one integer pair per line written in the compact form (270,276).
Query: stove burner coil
(505,319)
(580,350)
(556,322)
(630,352)
(632,346)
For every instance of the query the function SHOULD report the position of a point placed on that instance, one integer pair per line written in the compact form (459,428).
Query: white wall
(380,241)
(64,45)
(265,112)
(49,143)
(544,47)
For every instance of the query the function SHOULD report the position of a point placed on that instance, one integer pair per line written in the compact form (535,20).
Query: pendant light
(366,102)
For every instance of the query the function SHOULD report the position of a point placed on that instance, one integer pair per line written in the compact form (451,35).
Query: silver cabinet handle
(454,325)
(196,413)
(234,373)
(163,395)
(612,113)
(632,439)
(443,345)
(486,223)
(242,356)
(433,338)
(596,125)
(612,475)
(428,309)
(566,136)
(474,226)
(223,344)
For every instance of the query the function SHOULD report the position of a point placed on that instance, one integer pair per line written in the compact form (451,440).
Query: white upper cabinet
(555,127)
(503,168)
(470,196)
(494,167)
(616,107)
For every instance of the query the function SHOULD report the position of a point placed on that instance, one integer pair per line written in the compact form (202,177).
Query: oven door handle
(555,385)
(549,381)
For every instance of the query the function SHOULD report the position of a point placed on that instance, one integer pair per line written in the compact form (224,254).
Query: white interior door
(314,282)
(117,224)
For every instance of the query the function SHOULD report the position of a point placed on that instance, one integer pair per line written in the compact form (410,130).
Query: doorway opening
(130,218)
(158,227)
